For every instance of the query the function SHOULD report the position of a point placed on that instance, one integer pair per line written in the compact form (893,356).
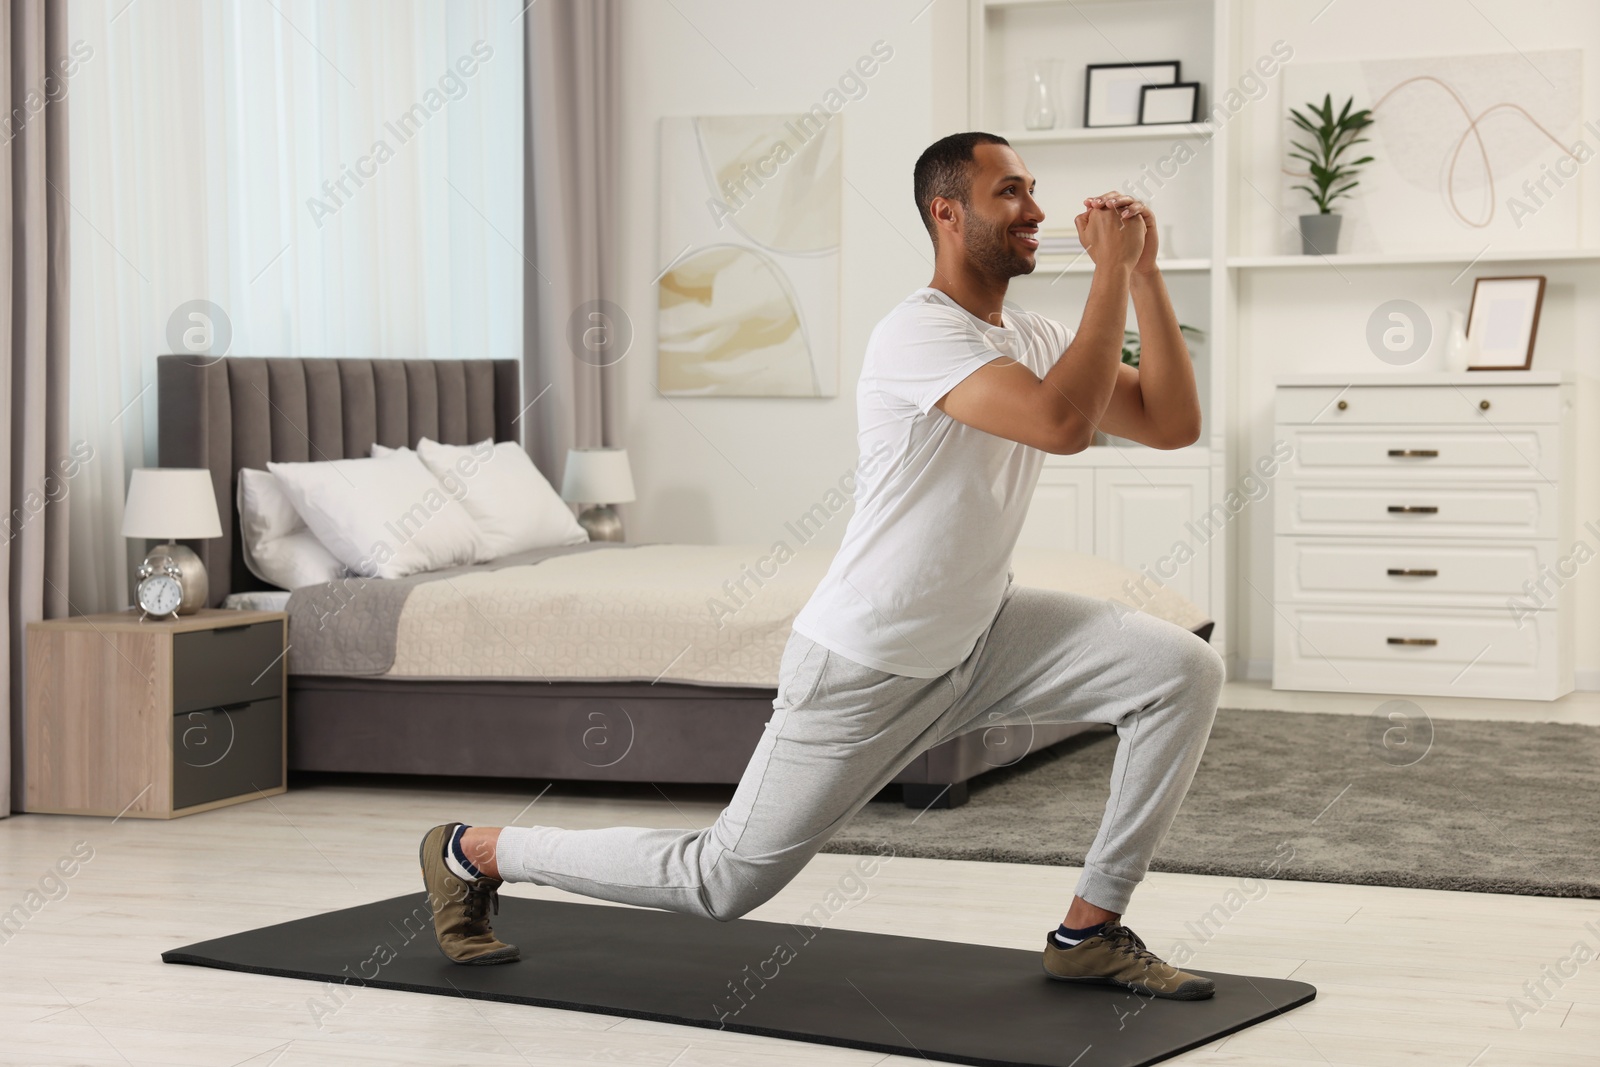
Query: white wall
(729,471)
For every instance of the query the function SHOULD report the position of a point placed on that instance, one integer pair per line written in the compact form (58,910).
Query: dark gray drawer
(223,752)
(227,665)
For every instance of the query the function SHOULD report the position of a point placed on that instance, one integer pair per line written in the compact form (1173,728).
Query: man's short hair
(945,169)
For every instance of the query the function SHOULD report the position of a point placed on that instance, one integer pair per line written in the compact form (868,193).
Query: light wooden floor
(1404,976)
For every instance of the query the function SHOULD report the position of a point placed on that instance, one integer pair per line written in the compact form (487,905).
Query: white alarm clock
(160,590)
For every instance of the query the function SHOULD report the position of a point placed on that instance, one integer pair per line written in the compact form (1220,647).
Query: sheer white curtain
(336,179)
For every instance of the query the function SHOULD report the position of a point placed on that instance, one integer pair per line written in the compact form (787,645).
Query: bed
(595,661)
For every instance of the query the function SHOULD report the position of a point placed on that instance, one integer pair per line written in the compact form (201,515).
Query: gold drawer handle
(1413,640)
(1413,451)
(1343,404)
(1414,572)
(1483,405)
(1413,509)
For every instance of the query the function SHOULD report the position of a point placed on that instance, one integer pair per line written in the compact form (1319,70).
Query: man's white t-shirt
(926,557)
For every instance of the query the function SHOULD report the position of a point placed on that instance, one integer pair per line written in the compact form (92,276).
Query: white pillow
(385,450)
(277,545)
(504,493)
(384,517)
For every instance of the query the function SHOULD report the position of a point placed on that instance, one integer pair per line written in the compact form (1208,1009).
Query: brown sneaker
(1116,956)
(461,908)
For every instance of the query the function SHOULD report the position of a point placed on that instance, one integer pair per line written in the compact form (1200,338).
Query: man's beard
(990,251)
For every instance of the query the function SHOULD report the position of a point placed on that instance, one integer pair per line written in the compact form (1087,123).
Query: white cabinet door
(1150,520)
(1061,514)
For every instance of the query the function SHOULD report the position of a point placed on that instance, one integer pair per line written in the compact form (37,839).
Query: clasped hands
(1117,229)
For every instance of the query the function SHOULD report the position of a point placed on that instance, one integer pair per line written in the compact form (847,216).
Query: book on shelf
(1059,243)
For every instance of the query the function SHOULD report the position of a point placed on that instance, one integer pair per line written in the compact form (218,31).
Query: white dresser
(1423,534)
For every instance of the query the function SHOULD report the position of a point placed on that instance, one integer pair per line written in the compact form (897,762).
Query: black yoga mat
(913,996)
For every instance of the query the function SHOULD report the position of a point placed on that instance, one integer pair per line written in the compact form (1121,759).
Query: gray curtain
(33,321)
(574,331)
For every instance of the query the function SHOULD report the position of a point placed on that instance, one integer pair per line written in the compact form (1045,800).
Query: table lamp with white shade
(598,476)
(171,502)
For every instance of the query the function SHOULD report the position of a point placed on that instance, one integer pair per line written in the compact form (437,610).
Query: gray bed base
(620,732)
(233,412)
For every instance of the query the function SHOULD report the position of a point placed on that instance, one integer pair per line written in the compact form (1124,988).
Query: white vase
(1041,112)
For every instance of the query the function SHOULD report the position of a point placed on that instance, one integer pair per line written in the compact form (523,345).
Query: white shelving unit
(1093,134)
(1226,275)
(1413,259)
(1082,264)
(1125,502)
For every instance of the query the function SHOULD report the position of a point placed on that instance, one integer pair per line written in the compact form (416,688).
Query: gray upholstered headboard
(238,411)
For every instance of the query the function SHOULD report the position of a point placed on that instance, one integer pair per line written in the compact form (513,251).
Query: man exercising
(917,632)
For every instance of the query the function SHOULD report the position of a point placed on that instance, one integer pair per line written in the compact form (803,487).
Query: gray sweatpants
(841,731)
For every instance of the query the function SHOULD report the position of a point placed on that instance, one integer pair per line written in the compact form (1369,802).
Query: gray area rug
(1389,799)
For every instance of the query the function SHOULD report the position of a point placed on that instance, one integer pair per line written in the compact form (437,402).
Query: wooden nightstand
(158,718)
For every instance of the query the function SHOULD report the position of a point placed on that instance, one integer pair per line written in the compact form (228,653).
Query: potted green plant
(1130,341)
(1130,356)
(1330,178)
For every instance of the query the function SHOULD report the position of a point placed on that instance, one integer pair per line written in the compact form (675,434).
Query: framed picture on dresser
(1503,321)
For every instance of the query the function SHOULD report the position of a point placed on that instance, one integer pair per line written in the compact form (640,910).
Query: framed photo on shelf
(1178,102)
(1112,91)
(1503,321)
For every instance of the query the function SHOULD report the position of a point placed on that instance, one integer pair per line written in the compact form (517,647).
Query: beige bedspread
(703,614)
